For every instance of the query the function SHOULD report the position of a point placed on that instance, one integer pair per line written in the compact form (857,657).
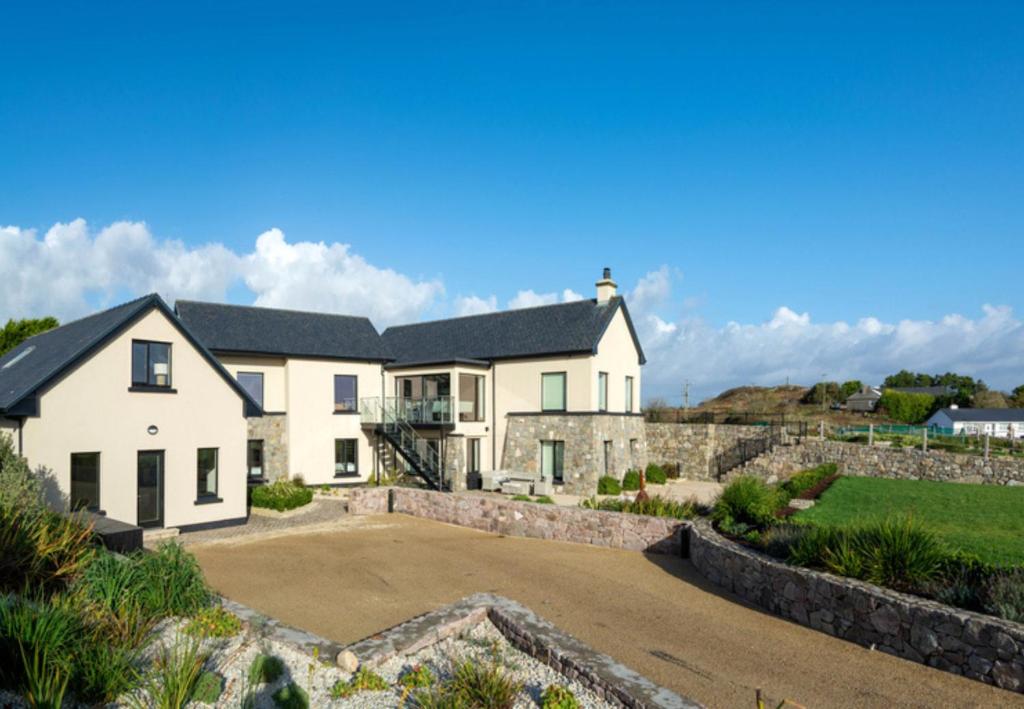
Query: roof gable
(40,360)
(269,331)
(565,328)
(983,415)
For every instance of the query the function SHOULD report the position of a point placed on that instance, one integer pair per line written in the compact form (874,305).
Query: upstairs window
(629,395)
(471,397)
(151,364)
(553,391)
(345,393)
(252,382)
(602,391)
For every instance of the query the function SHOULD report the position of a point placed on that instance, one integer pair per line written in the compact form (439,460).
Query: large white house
(1000,423)
(162,418)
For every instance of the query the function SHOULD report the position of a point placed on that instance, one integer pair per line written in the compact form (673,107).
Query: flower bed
(281,496)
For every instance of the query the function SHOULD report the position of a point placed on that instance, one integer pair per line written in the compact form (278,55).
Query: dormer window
(151,364)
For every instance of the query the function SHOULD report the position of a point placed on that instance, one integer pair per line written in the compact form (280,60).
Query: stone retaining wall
(490,513)
(977,646)
(885,462)
(272,429)
(693,446)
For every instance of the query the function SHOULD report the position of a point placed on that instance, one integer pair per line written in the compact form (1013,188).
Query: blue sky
(844,161)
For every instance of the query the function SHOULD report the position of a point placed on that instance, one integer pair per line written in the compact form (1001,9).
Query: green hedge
(631,480)
(655,474)
(607,485)
(281,496)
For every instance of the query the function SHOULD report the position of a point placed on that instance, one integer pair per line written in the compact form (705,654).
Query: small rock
(1008,676)
(886,620)
(348,661)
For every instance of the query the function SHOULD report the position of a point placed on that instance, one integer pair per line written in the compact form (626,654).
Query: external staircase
(747,449)
(391,420)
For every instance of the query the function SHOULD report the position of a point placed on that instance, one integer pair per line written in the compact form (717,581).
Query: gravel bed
(482,644)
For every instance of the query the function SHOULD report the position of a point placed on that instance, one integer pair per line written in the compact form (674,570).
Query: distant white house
(1000,423)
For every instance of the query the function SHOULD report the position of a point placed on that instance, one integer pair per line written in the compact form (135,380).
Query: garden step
(158,534)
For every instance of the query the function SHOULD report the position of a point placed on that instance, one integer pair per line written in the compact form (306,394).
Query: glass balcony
(433,411)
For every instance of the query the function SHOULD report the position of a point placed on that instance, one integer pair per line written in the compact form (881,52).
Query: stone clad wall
(500,515)
(693,446)
(885,462)
(272,429)
(977,646)
(584,437)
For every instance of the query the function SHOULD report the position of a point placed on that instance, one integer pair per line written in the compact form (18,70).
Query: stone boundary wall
(977,646)
(693,446)
(981,647)
(885,462)
(490,513)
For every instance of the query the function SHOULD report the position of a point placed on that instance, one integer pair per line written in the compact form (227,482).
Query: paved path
(322,514)
(653,613)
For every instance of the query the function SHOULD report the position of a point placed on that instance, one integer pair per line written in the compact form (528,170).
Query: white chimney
(954,406)
(606,287)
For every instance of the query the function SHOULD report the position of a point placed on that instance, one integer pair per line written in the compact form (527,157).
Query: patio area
(653,613)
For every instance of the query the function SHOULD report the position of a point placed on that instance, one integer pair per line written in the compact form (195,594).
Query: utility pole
(686,395)
(824,390)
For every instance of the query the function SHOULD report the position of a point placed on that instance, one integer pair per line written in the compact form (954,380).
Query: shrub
(37,639)
(747,500)
(544,500)
(906,407)
(555,696)
(655,475)
(655,506)
(20,488)
(1004,593)
(265,669)
(281,495)
(362,681)
(778,541)
(175,671)
(521,498)
(40,549)
(438,698)
(214,622)
(417,677)
(208,688)
(104,667)
(899,553)
(291,696)
(631,480)
(607,485)
(484,686)
(808,479)
(671,470)
(173,583)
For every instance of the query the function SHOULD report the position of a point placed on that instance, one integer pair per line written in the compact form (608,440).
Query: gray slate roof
(530,332)
(48,354)
(984,415)
(239,328)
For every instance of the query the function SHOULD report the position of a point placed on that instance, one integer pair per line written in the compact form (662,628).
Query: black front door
(151,489)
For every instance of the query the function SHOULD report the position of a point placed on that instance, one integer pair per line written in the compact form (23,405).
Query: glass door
(151,489)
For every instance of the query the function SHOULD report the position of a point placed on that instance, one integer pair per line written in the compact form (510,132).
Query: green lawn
(987,520)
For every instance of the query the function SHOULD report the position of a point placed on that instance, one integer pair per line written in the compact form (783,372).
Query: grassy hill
(781,400)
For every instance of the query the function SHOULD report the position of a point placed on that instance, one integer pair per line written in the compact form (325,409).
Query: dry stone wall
(490,513)
(977,646)
(885,462)
(693,446)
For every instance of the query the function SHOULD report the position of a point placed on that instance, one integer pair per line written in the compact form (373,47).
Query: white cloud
(71,271)
(530,299)
(473,305)
(330,278)
(791,345)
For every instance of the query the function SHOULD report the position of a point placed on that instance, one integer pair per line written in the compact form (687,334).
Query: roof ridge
(496,312)
(265,308)
(84,317)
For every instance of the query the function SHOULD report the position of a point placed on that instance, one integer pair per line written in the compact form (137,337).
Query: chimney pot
(607,273)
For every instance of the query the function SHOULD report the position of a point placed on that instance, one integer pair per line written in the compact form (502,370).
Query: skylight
(21,355)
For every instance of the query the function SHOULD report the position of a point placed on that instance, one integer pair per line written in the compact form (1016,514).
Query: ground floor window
(472,455)
(552,459)
(85,481)
(254,459)
(345,456)
(607,457)
(206,473)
